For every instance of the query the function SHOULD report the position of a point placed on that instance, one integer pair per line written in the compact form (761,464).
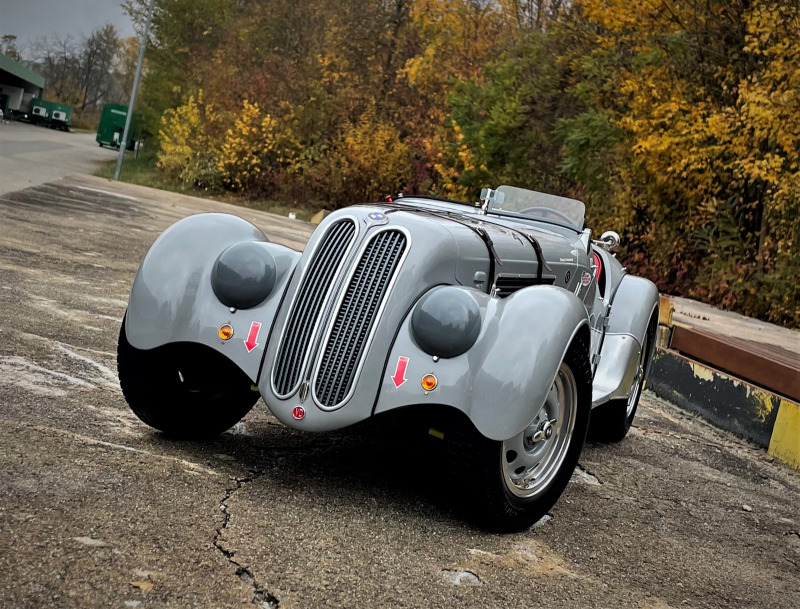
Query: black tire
(479,463)
(612,421)
(186,390)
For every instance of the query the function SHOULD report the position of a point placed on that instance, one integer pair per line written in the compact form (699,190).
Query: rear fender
(501,382)
(172,299)
(635,302)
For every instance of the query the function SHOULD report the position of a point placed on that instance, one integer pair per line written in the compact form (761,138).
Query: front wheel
(510,485)
(186,390)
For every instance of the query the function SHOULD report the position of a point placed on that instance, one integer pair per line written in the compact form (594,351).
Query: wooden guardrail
(767,366)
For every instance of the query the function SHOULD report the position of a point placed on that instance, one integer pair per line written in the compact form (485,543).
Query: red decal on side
(252,337)
(586,279)
(598,265)
(400,372)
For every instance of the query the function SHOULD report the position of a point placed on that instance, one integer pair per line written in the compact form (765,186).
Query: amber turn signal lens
(429,382)
(225,332)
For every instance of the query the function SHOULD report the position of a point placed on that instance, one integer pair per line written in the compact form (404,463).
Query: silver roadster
(500,326)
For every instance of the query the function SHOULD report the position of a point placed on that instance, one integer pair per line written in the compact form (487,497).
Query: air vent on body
(506,285)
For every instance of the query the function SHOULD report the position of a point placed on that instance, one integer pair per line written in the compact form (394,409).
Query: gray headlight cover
(243,275)
(446,322)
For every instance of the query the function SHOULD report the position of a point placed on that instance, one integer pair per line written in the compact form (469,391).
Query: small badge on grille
(304,391)
(376,217)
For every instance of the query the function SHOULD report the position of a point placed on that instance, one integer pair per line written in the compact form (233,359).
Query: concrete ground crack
(262,598)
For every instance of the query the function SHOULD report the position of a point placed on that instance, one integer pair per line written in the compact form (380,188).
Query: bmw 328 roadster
(501,325)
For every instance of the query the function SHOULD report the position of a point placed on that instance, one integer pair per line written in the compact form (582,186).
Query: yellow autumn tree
(187,148)
(258,147)
(245,145)
(708,105)
(372,161)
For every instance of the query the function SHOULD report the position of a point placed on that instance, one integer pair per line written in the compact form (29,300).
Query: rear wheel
(185,390)
(508,486)
(612,421)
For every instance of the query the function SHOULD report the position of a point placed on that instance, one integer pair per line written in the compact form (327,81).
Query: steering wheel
(547,210)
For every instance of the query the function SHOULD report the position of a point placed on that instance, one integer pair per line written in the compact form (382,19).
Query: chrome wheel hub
(533,458)
(545,431)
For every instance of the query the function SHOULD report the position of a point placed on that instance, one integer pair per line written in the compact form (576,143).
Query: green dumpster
(112,126)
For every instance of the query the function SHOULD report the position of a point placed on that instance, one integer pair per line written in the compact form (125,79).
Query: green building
(19,86)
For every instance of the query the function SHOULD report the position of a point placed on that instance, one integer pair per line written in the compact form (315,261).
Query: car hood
(495,245)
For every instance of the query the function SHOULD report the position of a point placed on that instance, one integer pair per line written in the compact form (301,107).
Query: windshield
(561,210)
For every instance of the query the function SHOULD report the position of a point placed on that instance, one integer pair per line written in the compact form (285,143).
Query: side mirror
(610,240)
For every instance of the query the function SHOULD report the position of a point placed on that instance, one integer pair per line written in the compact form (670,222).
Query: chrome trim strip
(378,315)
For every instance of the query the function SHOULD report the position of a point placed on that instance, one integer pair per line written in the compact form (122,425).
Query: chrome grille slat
(355,317)
(307,307)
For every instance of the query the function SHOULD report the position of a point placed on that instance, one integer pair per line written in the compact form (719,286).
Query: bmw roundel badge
(376,217)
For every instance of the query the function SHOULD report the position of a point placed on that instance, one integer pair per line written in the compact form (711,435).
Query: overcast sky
(32,19)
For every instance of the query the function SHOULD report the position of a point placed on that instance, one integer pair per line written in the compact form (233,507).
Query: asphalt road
(97,510)
(31,155)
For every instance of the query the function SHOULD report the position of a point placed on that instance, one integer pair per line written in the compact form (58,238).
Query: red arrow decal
(400,372)
(251,343)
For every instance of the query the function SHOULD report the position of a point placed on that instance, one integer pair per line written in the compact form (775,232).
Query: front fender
(172,299)
(633,305)
(635,302)
(501,382)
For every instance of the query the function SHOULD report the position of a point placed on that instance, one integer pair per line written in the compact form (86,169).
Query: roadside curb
(757,414)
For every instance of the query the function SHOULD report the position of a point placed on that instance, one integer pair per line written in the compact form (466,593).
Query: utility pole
(124,144)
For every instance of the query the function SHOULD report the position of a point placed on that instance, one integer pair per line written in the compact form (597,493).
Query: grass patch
(143,172)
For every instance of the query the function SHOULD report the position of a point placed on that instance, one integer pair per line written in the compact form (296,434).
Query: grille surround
(301,326)
(345,376)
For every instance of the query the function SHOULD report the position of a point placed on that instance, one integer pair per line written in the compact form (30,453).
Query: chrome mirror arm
(609,241)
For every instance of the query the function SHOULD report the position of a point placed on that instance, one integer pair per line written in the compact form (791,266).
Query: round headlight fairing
(446,322)
(244,275)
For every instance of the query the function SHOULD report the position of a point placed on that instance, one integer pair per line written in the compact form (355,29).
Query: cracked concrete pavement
(97,510)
